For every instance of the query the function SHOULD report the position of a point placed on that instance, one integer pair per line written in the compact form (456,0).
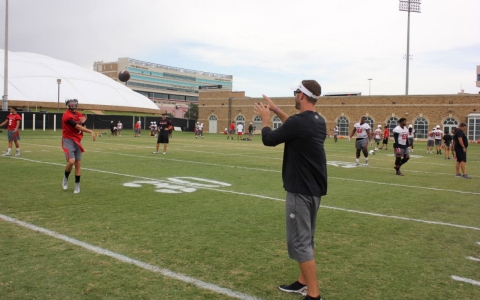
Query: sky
(268,46)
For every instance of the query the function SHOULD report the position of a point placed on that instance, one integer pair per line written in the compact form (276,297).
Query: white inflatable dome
(33,77)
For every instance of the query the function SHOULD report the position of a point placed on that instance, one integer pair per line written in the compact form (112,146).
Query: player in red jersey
(13,120)
(72,134)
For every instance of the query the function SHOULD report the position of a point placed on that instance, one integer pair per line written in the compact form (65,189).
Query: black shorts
(385,141)
(162,138)
(461,156)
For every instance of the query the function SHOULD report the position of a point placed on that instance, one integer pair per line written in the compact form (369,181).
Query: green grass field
(206,221)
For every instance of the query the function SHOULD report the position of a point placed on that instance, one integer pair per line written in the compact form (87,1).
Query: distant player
(137,129)
(362,130)
(335,133)
(197,130)
(13,120)
(411,136)
(400,145)
(377,135)
(438,139)
(447,143)
(201,129)
(250,131)
(119,128)
(386,136)
(231,131)
(430,141)
(72,134)
(164,127)
(239,131)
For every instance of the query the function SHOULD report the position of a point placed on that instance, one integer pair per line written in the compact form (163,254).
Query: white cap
(379,126)
(251,123)
(410,126)
(438,126)
(304,90)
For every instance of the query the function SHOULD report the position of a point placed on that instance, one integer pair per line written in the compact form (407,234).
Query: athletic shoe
(399,173)
(164,152)
(77,188)
(449,157)
(366,162)
(17,154)
(458,175)
(307,297)
(6,154)
(65,183)
(357,164)
(466,176)
(156,152)
(295,287)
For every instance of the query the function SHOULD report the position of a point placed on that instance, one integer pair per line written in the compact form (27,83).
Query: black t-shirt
(447,138)
(250,129)
(163,125)
(460,135)
(304,168)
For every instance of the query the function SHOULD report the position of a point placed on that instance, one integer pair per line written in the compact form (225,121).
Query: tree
(192,112)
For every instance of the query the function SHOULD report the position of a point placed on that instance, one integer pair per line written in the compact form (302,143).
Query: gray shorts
(430,143)
(71,150)
(361,143)
(410,141)
(13,136)
(377,141)
(438,142)
(301,215)
(402,152)
(232,131)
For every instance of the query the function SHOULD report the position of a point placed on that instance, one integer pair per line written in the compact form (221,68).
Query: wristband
(275,110)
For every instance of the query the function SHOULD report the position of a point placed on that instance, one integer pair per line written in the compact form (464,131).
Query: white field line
(271,198)
(473,258)
(126,259)
(471,281)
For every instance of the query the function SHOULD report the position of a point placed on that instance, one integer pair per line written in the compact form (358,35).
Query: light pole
(229,111)
(369,82)
(58,104)
(5,76)
(409,6)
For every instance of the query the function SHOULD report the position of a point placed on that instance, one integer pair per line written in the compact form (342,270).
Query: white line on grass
(270,198)
(473,258)
(471,281)
(126,259)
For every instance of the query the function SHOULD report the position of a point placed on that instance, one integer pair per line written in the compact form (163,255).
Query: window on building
(277,122)
(420,125)
(212,118)
(257,123)
(391,124)
(473,127)
(449,124)
(370,121)
(343,123)
(240,119)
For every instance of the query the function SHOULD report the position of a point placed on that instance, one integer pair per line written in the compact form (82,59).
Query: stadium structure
(39,81)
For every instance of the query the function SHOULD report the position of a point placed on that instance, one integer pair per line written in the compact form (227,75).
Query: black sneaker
(307,297)
(295,287)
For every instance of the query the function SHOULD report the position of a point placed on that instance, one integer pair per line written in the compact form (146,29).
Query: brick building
(218,108)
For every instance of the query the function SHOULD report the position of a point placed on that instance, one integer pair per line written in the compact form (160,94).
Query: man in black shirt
(163,128)
(460,148)
(304,176)
(447,142)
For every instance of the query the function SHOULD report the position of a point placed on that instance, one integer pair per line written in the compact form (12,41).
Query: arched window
(240,119)
(212,118)
(276,122)
(421,128)
(342,123)
(449,124)
(370,122)
(257,123)
(391,124)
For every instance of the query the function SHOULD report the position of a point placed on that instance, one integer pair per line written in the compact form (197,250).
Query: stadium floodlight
(409,6)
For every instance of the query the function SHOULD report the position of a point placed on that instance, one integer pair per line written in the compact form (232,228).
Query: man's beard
(297,104)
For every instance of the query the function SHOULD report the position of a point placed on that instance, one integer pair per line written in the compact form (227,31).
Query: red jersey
(386,135)
(232,126)
(137,126)
(69,131)
(13,119)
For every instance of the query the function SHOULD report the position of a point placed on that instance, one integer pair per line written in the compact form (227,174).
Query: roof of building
(33,77)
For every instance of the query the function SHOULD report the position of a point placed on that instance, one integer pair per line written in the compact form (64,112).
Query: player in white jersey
(438,139)
(377,135)
(197,130)
(411,136)
(201,129)
(363,138)
(400,145)
(430,141)
(335,133)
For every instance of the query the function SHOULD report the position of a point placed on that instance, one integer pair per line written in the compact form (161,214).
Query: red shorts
(240,133)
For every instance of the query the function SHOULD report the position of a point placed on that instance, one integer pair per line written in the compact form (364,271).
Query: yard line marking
(471,281)
(271,198)
(126,259)
(473,258)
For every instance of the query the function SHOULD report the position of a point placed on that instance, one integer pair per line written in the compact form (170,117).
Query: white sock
(18,150)
(9,150)
(357,160)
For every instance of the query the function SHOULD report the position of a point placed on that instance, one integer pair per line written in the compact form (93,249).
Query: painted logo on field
(342,164)
(177,185)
